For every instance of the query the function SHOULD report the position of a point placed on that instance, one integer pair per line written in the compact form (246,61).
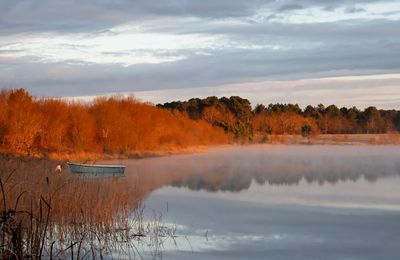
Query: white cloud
(126,48)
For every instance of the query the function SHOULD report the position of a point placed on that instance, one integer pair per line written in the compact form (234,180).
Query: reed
(49,216)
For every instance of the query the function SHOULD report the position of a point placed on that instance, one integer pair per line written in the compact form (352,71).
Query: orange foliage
(114,125)
(212,115)
(282,123)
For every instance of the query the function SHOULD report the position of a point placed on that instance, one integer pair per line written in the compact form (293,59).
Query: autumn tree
(24,123)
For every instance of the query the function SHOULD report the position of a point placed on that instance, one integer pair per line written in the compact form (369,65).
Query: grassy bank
(331,139)
(93,156)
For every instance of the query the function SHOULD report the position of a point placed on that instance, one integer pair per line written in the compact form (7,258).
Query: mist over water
(287,165)
(277,202)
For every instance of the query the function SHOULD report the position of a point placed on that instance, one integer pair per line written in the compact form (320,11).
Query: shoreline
(272,140)
(335,139)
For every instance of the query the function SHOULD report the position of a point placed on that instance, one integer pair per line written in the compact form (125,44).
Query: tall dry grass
(45,215)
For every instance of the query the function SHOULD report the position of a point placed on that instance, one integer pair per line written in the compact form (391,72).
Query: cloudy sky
(339,51)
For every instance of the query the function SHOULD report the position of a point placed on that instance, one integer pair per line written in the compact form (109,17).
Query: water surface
(276,202)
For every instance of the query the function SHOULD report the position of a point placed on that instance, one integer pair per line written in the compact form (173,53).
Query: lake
(276,202)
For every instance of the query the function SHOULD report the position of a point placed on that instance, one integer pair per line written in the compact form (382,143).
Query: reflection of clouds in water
(199,241)
(244,230)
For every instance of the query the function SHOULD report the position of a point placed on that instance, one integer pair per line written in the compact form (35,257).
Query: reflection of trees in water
(235,182)
(236,174)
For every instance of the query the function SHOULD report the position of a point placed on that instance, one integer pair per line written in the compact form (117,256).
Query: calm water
(277,202)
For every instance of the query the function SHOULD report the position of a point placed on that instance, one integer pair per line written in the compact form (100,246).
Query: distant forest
(235,115)
(124,125)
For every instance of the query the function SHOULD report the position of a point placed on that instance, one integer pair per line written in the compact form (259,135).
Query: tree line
(122,125)
(235,115)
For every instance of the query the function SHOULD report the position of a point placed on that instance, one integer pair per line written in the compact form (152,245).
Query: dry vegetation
(330,139)
(116,125)
(44,215)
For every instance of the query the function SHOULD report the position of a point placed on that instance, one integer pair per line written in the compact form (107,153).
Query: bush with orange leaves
(116,125)
(283,123)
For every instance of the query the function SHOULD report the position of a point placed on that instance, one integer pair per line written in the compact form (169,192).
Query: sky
(345,52)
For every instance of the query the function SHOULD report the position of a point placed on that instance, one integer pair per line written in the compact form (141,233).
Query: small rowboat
(97,170)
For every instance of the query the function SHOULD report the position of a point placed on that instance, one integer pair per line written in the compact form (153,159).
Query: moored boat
(97,170)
